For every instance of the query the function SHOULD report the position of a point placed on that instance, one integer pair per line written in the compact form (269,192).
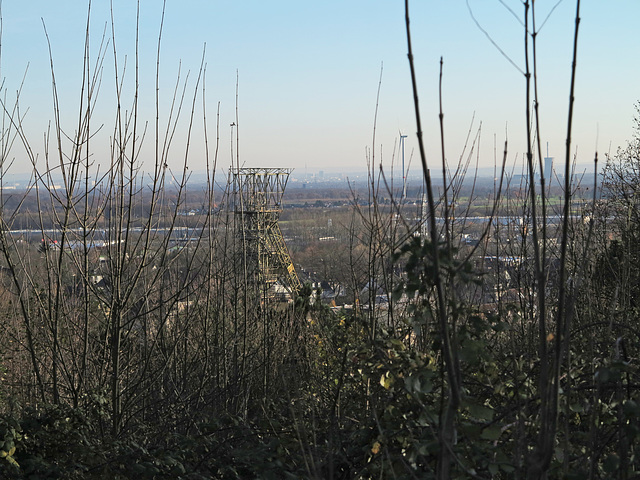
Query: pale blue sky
(309,72)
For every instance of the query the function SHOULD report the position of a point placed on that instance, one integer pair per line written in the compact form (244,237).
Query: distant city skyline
(308,76)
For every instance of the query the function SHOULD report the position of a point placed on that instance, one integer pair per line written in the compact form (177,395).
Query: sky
(325,85)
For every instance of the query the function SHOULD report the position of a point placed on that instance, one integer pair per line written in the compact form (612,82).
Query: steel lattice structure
(257,196)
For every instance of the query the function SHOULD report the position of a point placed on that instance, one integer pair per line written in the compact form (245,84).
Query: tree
(620,211)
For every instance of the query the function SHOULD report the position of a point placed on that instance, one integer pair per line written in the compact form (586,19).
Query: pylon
(257,205)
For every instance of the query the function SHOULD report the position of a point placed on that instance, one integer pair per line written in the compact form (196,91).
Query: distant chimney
(548,170)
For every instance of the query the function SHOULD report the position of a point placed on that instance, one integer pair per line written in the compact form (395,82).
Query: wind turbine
(404,178)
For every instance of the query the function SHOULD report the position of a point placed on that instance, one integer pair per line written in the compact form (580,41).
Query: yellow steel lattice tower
(257,205)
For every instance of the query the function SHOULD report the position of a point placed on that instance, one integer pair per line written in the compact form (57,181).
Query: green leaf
(611,463)
(576,408)
(507,467)
(427,386)
(491,433)
(631,408)
(481,413)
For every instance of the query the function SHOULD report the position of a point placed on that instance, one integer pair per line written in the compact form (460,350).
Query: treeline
(144,357)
